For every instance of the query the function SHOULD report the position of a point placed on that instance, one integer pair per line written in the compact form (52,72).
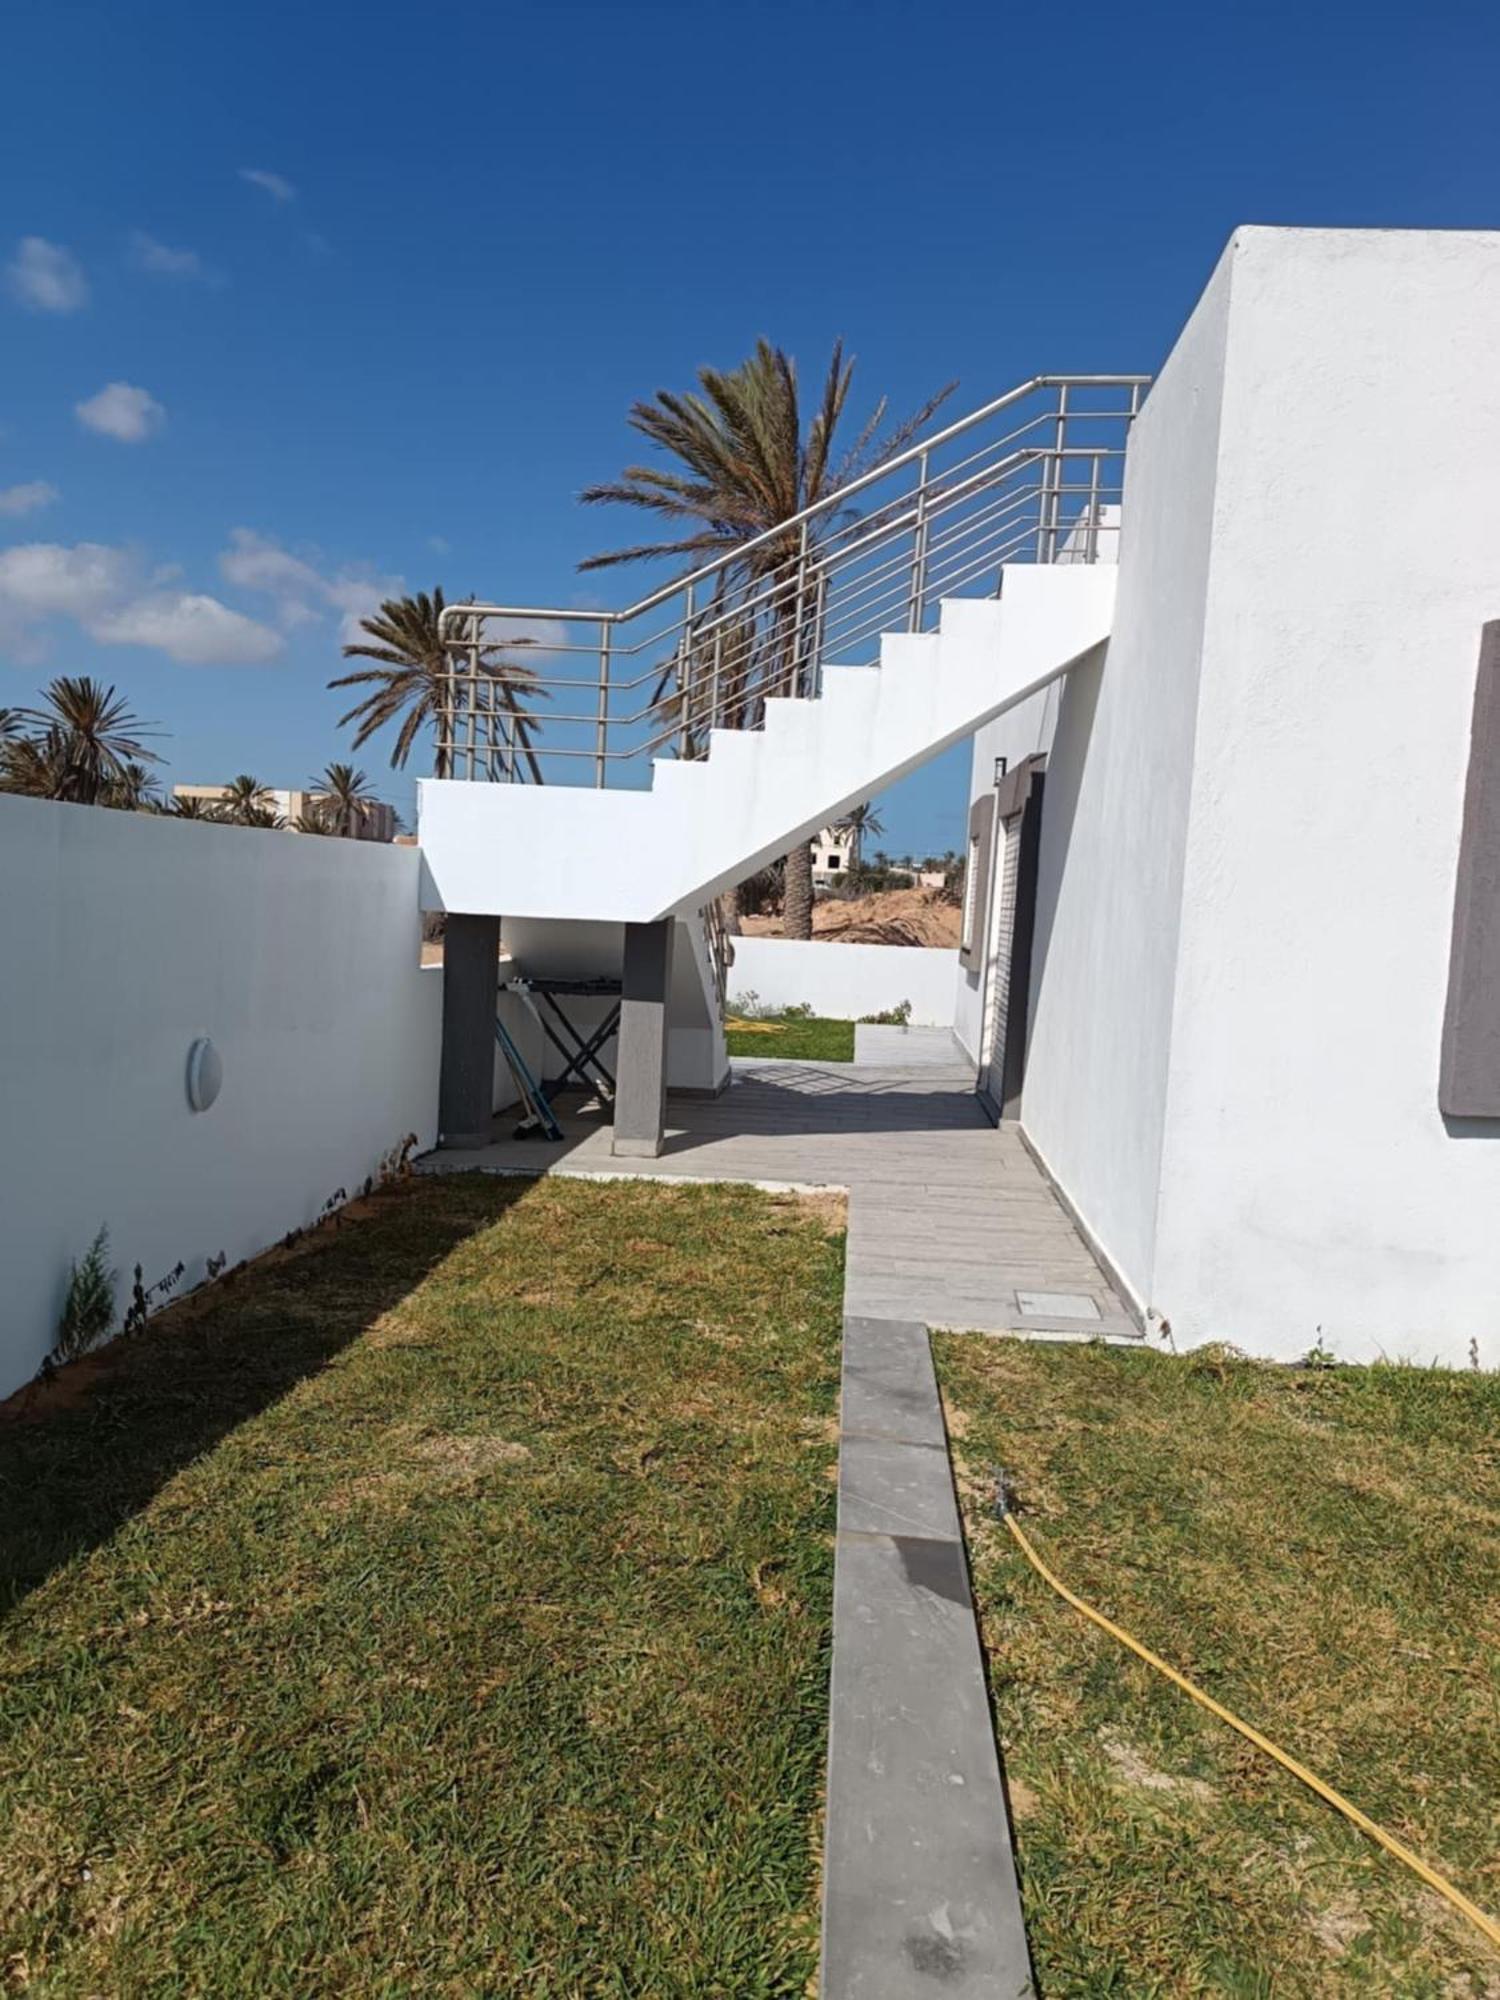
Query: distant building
(379,822)
(831,853)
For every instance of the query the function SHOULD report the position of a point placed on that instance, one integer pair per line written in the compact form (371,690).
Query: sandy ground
(895,916)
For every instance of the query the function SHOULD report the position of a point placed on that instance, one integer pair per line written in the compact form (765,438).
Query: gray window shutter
(1469,1077)
(977,882)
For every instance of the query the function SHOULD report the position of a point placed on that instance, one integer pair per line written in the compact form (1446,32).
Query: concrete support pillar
(641,1085)
(466,1086)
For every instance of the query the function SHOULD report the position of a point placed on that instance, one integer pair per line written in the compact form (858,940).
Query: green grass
(444,1610)
(1321,1551)
(799,1037)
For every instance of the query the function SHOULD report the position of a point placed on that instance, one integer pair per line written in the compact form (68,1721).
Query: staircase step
(848,690)
(670,775)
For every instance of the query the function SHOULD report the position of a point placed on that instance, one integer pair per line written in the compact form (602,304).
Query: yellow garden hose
(1414,1862)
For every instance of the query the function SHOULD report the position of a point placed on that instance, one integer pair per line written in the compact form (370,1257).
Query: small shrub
(802,1011)
(89,1304)
(891,1017)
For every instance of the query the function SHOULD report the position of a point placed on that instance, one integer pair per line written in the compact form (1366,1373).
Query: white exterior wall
(127,938)
(1253,810)
(845,981)
(1114,825)
(1309,1183)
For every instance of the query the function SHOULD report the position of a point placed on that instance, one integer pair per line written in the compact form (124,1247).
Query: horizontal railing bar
(832,501)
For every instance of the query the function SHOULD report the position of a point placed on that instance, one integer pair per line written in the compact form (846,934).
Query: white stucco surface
(574,852)
(1253,810)
(846,981)
(1310,1187)
(1114,827)
(127,938)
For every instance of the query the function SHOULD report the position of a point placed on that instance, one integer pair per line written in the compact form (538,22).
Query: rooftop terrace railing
(1028,478)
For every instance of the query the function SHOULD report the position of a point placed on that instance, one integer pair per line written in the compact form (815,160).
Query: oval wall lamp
(205,1074)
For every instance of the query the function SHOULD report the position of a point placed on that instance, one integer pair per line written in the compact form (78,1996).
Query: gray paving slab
(906,1048)
(920,1892)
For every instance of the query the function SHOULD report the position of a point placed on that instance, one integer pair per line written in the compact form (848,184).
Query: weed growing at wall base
(88,1310)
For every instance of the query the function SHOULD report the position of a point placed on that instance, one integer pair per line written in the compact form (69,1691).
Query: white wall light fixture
(205,1074)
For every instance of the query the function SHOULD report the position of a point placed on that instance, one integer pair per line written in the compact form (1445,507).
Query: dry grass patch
(1320,1549)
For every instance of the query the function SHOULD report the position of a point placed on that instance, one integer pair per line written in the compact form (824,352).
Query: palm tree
(344,800)
(79,743)
(856,823)
(26,767)
(192,808)
(411,683)
(745,463)
(246,802)
(133,791)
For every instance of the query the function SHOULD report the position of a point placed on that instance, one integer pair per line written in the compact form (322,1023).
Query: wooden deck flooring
(950,1220)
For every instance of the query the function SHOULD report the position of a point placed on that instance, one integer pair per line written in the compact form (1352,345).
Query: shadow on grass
(78,1460)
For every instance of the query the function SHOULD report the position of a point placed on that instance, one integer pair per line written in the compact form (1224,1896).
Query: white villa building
(1231,959)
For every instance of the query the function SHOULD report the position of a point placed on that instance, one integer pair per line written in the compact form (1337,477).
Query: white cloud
(123,412)
(47,278)
(162,261)
(194,630)
(275,185)
(301,590)
(26,499)
(106,593)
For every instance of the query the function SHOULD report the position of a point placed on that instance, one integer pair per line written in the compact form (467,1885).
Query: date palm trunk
(797,903)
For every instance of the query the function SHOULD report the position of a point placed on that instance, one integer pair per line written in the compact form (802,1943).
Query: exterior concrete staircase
(638,855)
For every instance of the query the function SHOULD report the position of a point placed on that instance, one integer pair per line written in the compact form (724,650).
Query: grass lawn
(803,1037)
(1321,1551)
(443,1609)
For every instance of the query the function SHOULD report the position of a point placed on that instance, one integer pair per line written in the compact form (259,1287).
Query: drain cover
(1056,1305)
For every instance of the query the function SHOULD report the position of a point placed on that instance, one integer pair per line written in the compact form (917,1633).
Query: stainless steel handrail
(761,619)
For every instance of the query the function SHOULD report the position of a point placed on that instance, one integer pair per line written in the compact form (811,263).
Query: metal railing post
(801,675)
(685,674)
(473,699)
(1058,462)
(601,726)
(713,692)
(919,550)
(1091,544)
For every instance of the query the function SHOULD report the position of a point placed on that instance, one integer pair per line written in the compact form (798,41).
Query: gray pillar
(471,977)
(641,1086)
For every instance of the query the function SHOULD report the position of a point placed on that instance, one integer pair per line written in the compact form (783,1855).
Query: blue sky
(306,303)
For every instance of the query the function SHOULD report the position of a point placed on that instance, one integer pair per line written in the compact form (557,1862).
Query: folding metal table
(580,1051)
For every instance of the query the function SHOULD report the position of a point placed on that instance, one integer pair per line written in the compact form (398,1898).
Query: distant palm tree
(246,802)
(748,463)
(412,683)
(344,800)
(133,791)
(856,823)
(26,768)
(76,745)
(192,808)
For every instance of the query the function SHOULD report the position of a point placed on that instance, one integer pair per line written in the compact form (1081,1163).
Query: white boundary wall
(845,981)
(126,937)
